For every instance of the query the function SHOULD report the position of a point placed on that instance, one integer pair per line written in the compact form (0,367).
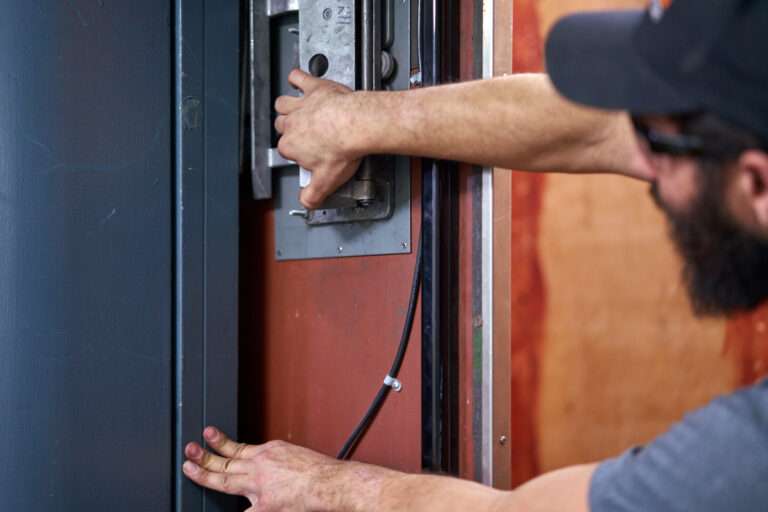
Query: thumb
(304,82)
(312,196)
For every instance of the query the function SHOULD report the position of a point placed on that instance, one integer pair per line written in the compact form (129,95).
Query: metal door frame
(440,359)
(206,174)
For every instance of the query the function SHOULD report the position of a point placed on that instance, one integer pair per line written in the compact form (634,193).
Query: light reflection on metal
(487,434)
(278,7)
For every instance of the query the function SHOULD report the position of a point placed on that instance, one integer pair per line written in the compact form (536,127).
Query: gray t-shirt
(716,459)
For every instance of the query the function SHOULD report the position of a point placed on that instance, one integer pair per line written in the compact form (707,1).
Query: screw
(404,245)
(341,249)
(503,440)
(279,252)
(327,13)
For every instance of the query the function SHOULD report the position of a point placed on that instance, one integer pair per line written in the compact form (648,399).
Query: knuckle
(239,450)
(284,147)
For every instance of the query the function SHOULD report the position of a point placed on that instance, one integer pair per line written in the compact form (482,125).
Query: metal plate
(327,27)
(294,238)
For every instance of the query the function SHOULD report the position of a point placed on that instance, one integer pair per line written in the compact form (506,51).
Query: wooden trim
(502,355)
(502,243)
(502,37)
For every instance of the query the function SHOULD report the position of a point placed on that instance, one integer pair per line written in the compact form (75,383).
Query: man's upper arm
(716,459)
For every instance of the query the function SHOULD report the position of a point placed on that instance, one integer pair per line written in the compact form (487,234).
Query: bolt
(404,245)
(341,249)
(503,440)
(327,13)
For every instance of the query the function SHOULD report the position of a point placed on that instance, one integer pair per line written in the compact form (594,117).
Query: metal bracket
(328,48)
(278,7)
(338,40)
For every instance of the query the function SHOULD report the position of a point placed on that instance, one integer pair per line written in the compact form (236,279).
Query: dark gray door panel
(85,255)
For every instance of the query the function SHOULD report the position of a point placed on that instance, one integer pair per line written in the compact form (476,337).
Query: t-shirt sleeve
(716,459)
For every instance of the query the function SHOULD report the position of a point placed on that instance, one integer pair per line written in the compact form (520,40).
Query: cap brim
(591,60)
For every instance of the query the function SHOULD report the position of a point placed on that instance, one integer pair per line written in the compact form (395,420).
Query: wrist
(373,122)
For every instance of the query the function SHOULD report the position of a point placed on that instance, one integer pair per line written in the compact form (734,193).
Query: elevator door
(112,285)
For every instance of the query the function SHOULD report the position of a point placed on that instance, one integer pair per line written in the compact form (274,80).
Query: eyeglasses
(675,144)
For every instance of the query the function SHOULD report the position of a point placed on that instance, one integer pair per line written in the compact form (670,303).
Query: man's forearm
(516,122)
(364,488)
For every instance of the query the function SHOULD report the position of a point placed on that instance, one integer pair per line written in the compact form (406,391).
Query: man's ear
(752,172)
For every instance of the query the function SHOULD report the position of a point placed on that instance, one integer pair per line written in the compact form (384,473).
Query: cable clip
(392,382)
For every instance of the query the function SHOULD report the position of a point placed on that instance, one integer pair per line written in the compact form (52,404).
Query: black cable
(381,396)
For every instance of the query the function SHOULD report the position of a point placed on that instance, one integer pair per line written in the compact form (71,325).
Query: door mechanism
(347,41)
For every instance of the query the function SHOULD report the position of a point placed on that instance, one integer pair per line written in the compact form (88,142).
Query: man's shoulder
(716,458)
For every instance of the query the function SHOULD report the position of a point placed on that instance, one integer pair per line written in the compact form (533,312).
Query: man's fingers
(214,463)
(287,104)
(222,482)
(304,82)
(313,195)
(324,182)
(280,124)
(225,446)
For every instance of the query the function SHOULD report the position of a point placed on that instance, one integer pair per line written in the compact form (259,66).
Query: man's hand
(279,475)
(316,131)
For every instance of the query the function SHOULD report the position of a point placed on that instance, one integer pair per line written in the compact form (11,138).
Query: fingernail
(190,467)
(210,433)
(194,450)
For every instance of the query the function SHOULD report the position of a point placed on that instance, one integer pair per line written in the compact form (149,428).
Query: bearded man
(684,94)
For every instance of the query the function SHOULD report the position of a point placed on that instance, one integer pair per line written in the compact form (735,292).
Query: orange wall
(605,350)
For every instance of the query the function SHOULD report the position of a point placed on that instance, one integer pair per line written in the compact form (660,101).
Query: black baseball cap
(695,55)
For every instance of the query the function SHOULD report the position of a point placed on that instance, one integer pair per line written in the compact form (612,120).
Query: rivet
(503,440)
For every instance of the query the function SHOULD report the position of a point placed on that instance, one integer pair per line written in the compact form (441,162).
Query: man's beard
(725,268)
